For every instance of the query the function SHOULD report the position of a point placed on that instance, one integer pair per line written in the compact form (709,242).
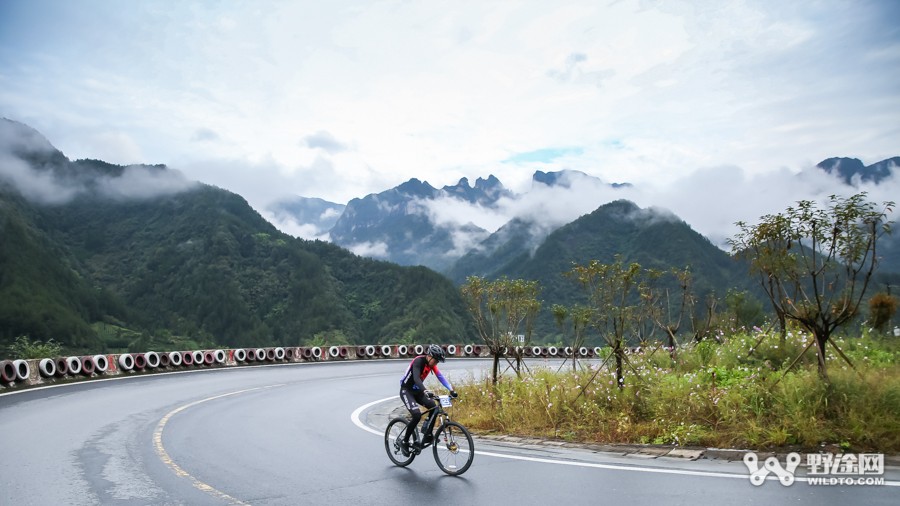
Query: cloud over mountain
(30,163)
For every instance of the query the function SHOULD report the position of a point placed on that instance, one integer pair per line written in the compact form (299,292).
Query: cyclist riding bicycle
(413,393)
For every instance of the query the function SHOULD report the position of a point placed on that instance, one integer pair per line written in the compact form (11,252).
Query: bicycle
(452,444)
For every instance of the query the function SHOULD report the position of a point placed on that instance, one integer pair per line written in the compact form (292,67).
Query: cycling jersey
(417,372)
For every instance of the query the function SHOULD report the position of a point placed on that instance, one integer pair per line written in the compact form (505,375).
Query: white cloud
(342,100)
(374,249)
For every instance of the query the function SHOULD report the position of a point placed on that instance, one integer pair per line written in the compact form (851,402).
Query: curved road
(309,434)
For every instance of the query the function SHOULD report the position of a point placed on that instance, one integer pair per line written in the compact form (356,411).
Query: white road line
(355,418)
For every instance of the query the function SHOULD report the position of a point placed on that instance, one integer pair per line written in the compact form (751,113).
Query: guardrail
(21,373)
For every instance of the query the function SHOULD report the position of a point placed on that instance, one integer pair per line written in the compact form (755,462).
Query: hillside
(113,263)
(652,238)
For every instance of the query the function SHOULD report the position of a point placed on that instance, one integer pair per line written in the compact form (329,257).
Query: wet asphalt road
(285,435)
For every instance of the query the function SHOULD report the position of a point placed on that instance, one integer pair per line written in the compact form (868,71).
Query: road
(303,434)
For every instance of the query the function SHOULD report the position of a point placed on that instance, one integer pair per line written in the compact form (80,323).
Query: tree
(580,317)
(503,310)
(612,292)
(667,308)
(815,264)
(882,307)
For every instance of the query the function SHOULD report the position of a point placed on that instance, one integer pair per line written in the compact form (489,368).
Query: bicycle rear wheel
(454,449)
(393,439)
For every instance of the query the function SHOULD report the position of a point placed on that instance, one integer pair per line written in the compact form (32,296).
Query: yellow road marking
(167,460)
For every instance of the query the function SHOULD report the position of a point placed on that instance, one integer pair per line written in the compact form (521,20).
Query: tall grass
(737,394)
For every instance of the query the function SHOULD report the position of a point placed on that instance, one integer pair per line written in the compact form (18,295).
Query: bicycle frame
(436,412)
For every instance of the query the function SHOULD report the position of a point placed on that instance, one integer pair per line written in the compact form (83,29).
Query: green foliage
(719,395)
(882,307)
(24,348)
(815,264)
(200,267)
(502,310)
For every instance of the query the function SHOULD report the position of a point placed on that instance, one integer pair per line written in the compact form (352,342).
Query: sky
(715,111)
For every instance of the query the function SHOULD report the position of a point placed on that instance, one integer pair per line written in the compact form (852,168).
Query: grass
(709,395)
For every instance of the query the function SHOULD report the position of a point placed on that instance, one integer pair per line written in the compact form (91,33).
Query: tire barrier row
(19,372)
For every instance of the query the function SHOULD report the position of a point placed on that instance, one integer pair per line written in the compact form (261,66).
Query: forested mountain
(110,265)
(397,224)
(653,238)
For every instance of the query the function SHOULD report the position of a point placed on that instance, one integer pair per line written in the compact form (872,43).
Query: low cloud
(710,200)
(40,187)
(375,249)
(292,227)
(325,141)
(143,182)
(44,175)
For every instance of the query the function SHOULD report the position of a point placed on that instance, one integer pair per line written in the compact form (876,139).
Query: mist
(710,200)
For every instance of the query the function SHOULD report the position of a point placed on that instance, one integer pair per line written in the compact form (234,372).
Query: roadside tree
(815,264)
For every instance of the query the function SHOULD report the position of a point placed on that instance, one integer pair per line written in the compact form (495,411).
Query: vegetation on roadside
(739,394)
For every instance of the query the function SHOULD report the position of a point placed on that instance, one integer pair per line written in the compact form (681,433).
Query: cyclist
(413,393)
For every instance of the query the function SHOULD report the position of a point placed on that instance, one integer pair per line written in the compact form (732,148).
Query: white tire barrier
(552,351)
(175,358)
(468,349)
(370,351)
(74,364)
(47,367)
(126,362)
(597,350)
(220,356)
(403,350)
(23,370)
(101,363)
(240,355)
(197,355)
(451,349)
(583,351)
(536,351)
(152,359)
(317,352)
(419,349)
(260,354)
(386,350)
(279,353)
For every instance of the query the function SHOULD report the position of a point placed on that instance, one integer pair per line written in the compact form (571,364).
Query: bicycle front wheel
(453,448)
(393,440)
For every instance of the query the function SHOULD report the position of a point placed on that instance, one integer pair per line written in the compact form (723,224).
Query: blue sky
(340,99)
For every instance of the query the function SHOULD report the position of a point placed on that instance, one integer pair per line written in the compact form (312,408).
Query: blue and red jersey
(418,370)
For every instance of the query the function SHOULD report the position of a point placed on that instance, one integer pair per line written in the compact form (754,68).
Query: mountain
(417,224)
(509,244)
(653,238)
(319,213)
(398,224)
(849,169)
(99,256)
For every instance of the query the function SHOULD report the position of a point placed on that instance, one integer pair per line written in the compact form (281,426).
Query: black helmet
(437,352)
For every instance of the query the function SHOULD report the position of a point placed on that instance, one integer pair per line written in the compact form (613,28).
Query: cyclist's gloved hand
(429,394)
(454,394)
